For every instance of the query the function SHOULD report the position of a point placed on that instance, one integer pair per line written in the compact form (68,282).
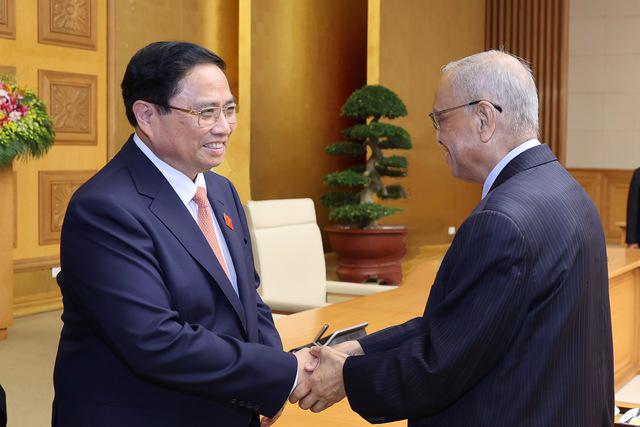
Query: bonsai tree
(353,202)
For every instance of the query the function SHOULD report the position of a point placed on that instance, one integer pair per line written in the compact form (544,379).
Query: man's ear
(145,113)
(487,115)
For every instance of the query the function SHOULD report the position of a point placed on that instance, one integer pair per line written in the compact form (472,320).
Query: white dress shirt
(504,162)
(186,189)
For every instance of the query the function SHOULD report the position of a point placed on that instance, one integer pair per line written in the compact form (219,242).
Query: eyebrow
(203,105)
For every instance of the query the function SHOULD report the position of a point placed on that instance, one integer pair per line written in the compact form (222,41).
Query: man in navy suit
(517,328)
(162,322)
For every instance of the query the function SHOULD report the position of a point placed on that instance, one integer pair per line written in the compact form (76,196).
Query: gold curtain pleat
(537,31)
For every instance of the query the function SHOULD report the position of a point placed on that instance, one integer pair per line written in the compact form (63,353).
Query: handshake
(320,382)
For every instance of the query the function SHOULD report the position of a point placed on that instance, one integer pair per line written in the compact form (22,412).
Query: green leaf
(348,178)
(30,136)
(394,162)
(396,143)
(346,148)
(385,132)
(361,215)
(373,101)
(339,198)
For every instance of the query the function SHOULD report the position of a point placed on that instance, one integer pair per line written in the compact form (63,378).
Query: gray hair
(501,78)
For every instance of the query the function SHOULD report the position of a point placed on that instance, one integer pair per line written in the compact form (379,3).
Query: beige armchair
(287,249)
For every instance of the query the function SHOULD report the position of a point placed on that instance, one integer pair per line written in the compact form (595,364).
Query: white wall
(603,129)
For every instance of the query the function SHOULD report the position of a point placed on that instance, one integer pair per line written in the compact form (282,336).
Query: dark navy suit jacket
(633,209)
(517,328)
(154,334)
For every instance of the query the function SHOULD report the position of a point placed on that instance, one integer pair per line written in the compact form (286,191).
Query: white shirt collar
(182,185)
(504,162)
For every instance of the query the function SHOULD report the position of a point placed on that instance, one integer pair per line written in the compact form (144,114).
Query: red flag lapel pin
(227,220)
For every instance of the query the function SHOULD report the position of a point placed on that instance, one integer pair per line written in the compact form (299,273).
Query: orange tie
(205,221)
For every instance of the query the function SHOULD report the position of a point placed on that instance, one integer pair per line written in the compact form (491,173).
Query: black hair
(155,71)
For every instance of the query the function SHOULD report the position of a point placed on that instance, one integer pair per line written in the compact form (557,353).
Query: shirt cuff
(295,383)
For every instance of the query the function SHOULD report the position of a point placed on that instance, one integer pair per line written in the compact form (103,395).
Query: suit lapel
(168,208)
(235,243)
(528,159)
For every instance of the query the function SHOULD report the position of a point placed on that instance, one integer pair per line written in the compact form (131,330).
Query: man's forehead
(443,91)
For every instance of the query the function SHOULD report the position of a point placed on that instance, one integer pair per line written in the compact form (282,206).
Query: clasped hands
(322,384)
(320,381)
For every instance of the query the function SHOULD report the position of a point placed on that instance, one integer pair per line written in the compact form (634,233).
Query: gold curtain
(537,31)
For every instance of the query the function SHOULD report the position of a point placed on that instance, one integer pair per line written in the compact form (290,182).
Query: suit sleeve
(111,275)
(391,337)
(633,200)
(266,327)
(462,336)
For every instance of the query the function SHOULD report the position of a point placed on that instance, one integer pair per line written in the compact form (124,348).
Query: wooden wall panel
(7,69)
(537,31)
(15,209)
(6,270)
(624,323)
(315,88)
(591,181)
(616,189)
(70,23)
(415,41)
(55,191)
(28,53)
(608,188)
(8,19)
(72,103)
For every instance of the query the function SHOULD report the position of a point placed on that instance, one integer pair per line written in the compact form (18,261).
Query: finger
(300,391)
(319,407)
(265,422)
(308,401)
(311,366)
(316,351)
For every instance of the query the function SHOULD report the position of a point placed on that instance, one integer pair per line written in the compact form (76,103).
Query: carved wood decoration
(608,189)
(7,70)
(537,31)
(55,191)
(71,101)
(71,23)
(8,19)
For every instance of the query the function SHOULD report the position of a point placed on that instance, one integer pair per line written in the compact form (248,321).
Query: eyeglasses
(209,116)
(435,115)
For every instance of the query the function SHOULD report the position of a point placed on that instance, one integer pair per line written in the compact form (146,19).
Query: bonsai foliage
(353,200)
(25,128)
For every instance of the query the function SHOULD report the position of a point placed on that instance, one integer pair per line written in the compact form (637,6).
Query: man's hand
(632,246)
(266,421)
(352,348)
(326,385)
(306,364)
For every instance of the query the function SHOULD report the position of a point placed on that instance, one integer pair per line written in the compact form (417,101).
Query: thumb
(311,366)
(316,351)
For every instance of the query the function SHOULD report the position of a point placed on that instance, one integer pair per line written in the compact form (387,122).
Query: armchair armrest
(289,307)
(348,288)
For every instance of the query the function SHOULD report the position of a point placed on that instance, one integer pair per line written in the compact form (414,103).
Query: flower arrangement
(26,129)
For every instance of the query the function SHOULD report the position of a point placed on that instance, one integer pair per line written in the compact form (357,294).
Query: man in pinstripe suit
(517,328)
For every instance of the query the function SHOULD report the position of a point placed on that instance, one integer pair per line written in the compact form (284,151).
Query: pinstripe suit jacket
(517,328)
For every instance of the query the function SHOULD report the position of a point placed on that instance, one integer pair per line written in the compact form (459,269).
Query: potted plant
(25,131)
(366,250)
